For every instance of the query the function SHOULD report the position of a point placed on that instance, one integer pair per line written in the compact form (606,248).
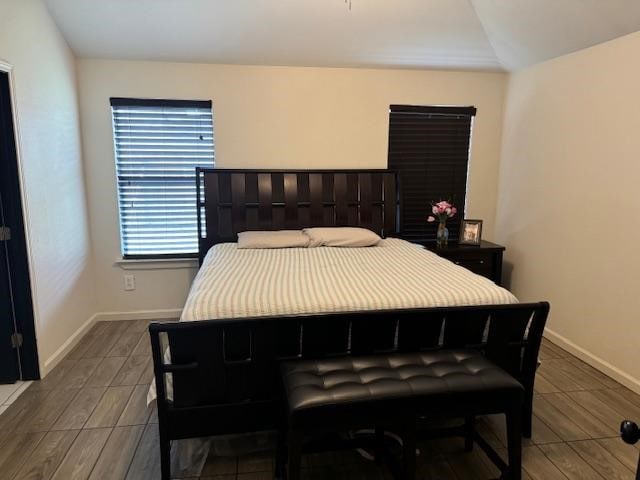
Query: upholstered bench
(392,391)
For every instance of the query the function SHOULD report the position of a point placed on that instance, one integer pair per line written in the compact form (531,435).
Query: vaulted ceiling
(459,34)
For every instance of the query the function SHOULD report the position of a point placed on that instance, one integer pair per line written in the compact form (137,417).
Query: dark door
(9,356)
(18,353)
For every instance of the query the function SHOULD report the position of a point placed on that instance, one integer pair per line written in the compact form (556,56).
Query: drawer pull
(481,262)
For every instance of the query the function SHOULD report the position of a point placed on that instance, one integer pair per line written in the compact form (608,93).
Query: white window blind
(158,145)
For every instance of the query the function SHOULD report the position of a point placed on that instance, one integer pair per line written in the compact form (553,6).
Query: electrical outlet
(129,282)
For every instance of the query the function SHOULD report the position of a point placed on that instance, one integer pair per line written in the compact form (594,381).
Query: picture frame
(470,232)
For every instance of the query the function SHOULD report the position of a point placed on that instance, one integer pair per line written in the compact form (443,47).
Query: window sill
(156,263)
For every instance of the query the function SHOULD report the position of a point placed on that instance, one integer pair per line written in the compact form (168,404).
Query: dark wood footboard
(225,372)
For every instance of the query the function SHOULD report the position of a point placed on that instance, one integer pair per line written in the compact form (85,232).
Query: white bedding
(236,283)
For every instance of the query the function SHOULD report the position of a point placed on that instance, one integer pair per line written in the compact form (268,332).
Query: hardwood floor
(88,419)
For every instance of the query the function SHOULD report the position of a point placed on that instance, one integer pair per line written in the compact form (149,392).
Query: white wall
(49,139)
(568,205)
(271,117)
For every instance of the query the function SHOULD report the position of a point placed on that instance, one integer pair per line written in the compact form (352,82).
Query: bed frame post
(161,402)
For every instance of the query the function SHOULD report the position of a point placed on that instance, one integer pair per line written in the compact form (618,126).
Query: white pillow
(273,239)
(341,237)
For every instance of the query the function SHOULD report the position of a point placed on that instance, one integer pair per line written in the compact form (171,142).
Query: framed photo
(470,232)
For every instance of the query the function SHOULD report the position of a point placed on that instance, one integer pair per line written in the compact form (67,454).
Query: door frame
(29,351)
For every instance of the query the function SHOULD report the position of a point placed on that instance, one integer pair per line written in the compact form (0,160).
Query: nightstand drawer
(485,259)
(481,266)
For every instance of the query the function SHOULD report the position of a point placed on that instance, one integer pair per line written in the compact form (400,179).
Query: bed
(248,310)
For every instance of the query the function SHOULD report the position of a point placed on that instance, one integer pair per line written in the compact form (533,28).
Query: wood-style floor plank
(110,407)
(542,385)
(80,350)
(82,371)
(541,433)
(116,456)
(607,381)
(106,340)
(620,401)
(602,411)
(147,375)
(42,417)
(131,371)
(566,428)
(83,454)
(143,348)
(557,377)
(626,454)
(57,376)
(15,449)
(21,409)
(602,460)
(569,462)
(580,376)
(139,326)
(105,372)
(578,415)
(47,456)
(125,345)
(538,466)
(551,350)
(146,461)
(80,409)
(136,412)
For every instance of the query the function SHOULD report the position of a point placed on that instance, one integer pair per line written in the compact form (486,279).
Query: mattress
(395,274)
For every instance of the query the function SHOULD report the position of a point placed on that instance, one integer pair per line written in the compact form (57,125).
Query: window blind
(158,145)
(429,147)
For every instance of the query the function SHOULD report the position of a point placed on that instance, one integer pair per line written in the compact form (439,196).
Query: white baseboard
(168,314)
(73,340)
(596,362)
(66,347)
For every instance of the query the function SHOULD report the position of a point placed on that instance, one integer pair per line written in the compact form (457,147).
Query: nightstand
(485,259)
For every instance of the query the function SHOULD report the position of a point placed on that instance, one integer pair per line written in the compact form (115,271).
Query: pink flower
(435,210)
(431,218)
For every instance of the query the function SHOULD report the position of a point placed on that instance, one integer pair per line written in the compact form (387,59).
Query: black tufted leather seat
(395,389)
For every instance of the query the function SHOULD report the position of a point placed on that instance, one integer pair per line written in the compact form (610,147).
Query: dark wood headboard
(233,201)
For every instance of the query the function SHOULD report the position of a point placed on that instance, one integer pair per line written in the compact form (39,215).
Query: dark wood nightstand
(485,259)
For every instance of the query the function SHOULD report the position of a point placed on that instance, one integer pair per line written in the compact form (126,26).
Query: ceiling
(458,34)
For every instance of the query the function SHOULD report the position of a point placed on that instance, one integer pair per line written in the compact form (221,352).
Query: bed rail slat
(340,196)
(238,192)
(315,191)
(390,204)
(264,201)
(291,200)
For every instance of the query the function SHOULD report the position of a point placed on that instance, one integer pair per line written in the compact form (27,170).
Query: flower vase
(442,237)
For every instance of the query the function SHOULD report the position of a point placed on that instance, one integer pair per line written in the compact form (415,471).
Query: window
(429,147)
(158,145)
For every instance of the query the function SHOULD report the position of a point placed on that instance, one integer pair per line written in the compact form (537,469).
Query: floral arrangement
(442,211)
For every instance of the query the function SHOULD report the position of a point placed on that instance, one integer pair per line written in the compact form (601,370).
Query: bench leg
(294,440)
(379,445)
(514,443)
(165,458)
(281,455)
(409,452)
(527,415)
(469,432)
